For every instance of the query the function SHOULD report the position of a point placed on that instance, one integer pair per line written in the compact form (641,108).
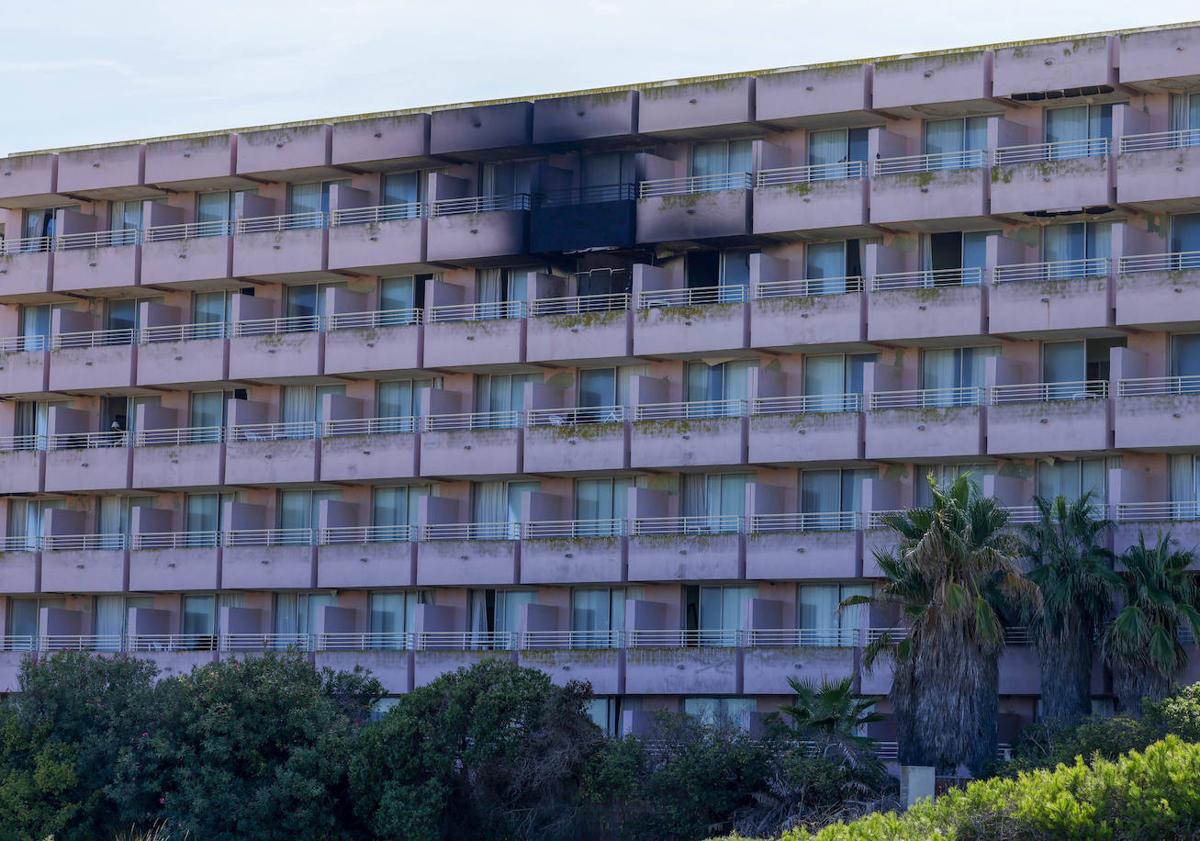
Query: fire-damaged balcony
(582,218)
(675,210)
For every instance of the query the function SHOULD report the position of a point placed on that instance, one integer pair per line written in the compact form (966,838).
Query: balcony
(927,85)
(570,330)
(293,247)
(579,219)
(576,440)
(465,335)
(821,97)
(478,132)
(22,464)
(824,201)
(1152,57)
(361,449)
(1067,175)
(700,548)
(104,172)
(573,552)
(580,655)
(443,657)
(173,562)
(271,454)
(366,556)
(19,564)
(195,255)
(26,268)
(23,365)
(678,322)
(680,210)
(468,555)
(1155,171)
(178,458)
(1159,291)
(471,444)
(815,545)
(925,424)
(820,655)
(1154,413)
(276,348)
(292,153)
(787,314)
(175,354)
(378,240)
(377,341)
(721,108)
(1181,519)
(673,663)
(393,668)
(478,229)
(1037,298)
(92,261)
(92,360)
(195,164)
(29,181)
(84,563)
(88,461)
(1038,418)
(586,118)
(269,559)
(930,192)
(812,428)
(910,306)
(383,144)
(1065,68)
(695,434)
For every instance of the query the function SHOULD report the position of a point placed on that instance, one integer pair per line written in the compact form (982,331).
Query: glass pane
(516,493)
(401,188)
(939,368)
(1067,124)
(305,198)
(207,409)
(295,509)
(390,507)
(396,293)
(597,387)
(825,259)
(1185,355)
(1064,242)
(1185,230)
(1182,484)
(817,606)
(1063,362)
(508,608)
(387,613)
(944,137)
(213,207)
(827,147)
(203,513)
(735,268)
(820,491)
(199,615)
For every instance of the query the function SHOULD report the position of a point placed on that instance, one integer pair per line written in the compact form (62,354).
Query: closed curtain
(824,377)
(110,622)
(826,148)
(299,404)
(488,503)
(826,261)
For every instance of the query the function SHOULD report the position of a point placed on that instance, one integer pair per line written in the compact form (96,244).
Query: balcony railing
(268,537)
(88,440)
(486,311)
(841,171)
(1158,386)
(284,222)
(177,540)
(265,642)
(372,641)
(83,542)
(968,159)
(808,521)
(808,288)
(98,239)
(1046,392)
(579,305)
(1054,270)
(572,640)
(928,279)
(1059,150)
(586,195)
(472,420)
(561,529)
(24,344)
(288,431)
(92,339)
(179,437)
(17,642)
(367,534)
(190,230)
(375,215)
(23,443)
(695,184)
(25,245)
(503,530)
(1159,140)
(690,410)
(1177,261)
(1138,511)
(692,525)
(375,319)
(21,543)
(276,326)
(369,426)
(479,204)
(703,296)
(183,332)
(81,642)
(806,403)
(576,417)
(170,643)
(926,398)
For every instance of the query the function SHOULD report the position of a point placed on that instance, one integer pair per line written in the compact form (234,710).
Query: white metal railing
(1054,270)
(1171,262)
(92,338)
(267,537)
(189,230)
(24,344)
(479,204)
(690,410)
(695,184)
(374,215)
(566,640)
(179,437)
(265,642)
(673,638)
(465,640)
(803,404)
(289,431)
(374,640)
(575,417)
(25,245)
(486,311)
(560,529)
(968,159)
(1045,392)
(808,288)
(471,420)
(927,279)
(878,519)
(375,319)
(926,398)
(367,534)
(368,426)
(183,332)
(22,443)
(17,642)
(150,643)
(692,525)
(80,642)
(275,326)
(579,305)
(21,543)
(840,171)
(284,222)
(1022,514)
(97,239)
(808,521)
(88,440)
(1156,386)
(1158,140)
(687,297)
(801,637)
(503,530)
(1134,511)
(1058,150)
(177,540)
(83,542)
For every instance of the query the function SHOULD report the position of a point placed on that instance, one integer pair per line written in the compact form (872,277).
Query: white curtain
(820,491)
(1185,357)
(110,621)
(488,503)
(827,147)
(508,608)
(199,615)
(827,261)
(825,375)
(203,512)
(295,509)
(938,368)
(817,606)
(693,495)
(305,198)
(489,286)
(1183,478)
(299,404)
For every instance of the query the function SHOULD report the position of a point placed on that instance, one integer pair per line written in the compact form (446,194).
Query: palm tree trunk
(1134,681)
(1066,667)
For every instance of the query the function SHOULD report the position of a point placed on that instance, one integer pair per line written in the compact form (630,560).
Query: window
(506,179)
(393,509)
(110,618)
(714,503)
(605,713)
(598,615)
(25,519)
(957,143)
(1185,239)
(394,616)
(124,221)
(398,401)
(303,408)
(500,293)
(501,397)
(606,176)
(736,711)
(297,616)
(203,516)
(603,281)
(1079,249)
(713,615)
(24,615)
(499,504)
(831,152)
(199,621)
(1081,367)
(954,257)
(834,376)
(944,476)
(722,164)
(726,270)
(1185,361)
(819,610)
(41,224)
(121,314)
(35,326)
(1078,131)
(835,493)
(402,193)
(495,616)
(956,374)
(1072,479)
(207,411)
(31,423)
(312,201)
(400,296)
(299,513)
(832,263)
(601,505)
(214,212)
(725,384)
(306,304)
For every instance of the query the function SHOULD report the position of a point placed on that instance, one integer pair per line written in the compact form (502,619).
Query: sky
(102,72)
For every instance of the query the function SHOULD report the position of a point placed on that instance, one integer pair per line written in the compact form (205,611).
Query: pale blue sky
(79,72)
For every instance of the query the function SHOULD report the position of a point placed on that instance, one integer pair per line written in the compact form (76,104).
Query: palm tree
(828,710)
(1160,596)
(1073,571)
(952,575)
